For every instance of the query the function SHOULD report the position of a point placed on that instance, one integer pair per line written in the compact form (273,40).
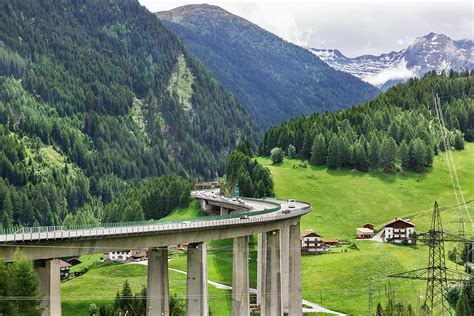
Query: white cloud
(400,72)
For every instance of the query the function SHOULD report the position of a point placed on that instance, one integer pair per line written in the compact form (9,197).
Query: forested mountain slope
(397,130)
(272,78)
(96,94)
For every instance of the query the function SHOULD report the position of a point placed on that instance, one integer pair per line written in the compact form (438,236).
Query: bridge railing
(46,229)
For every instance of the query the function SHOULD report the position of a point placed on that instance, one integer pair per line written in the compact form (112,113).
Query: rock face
(430,52)
(272,78)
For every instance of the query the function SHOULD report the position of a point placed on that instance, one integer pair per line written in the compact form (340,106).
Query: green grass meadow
(100,285)
(344,200)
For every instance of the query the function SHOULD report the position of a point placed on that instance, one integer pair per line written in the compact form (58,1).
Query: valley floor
(351,282)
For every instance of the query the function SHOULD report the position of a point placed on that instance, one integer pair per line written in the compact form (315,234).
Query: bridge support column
(196,288)
(49,277)
(295,300)
(284,261)
(240,277)
(224,211)
(205,206)
(157,283)
(261,266)
(271,305)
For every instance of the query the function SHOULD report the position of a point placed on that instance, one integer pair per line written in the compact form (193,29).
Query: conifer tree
(463,307)
(361,161)
(333,153)
(126,297)
(458,141)
(418,155)
(374,152)
(319,151)
(344,152)
(5,305)
(404,156)
(388,154)
(24,283)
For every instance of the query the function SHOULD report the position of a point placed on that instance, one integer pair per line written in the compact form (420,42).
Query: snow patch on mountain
(430,52)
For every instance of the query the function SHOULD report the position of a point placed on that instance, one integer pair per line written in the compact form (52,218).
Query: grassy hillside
(100,285)
(343,200)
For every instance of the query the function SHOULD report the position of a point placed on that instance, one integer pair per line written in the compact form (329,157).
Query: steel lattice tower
(436,274)
(437,281)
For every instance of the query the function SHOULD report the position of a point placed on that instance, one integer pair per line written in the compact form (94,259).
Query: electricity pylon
(436,274)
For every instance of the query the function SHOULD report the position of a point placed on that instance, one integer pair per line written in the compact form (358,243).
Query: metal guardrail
(111,229)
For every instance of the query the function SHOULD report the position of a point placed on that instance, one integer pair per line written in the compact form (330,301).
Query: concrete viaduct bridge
(279,261)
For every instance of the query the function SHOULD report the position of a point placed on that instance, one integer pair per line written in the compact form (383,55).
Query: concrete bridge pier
(49,277)
(294,292)
(271,304)
(224,211)
(158,282)
(196,288)
(284,261)
(205,206)
(261,266)
(240,277)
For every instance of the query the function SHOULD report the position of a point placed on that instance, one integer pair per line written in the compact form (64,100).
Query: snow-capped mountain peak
(430,52)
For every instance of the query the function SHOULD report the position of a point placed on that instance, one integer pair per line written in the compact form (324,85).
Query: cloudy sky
(354,27)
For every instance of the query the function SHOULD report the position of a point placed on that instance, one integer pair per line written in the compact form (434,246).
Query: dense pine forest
(398,130)
(94,97)
(244,172)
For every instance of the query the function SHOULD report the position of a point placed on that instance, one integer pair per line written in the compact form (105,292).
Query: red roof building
(311,243)
(399,230)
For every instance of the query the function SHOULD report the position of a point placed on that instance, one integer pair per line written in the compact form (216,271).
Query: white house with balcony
(399,230)
(126,255)
(311,243)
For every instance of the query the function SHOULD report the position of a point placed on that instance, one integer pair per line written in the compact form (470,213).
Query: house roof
(398,219)
(63,264)
(310,233)
(364,230)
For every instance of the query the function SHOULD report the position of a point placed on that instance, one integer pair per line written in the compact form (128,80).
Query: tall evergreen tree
(458,141)
(319,151)
(463,307)
(24,283)
(404,156)
(6,307)
(418,155)
(333,153)
(388,154)
(374,152)
(344,152)
(361,162)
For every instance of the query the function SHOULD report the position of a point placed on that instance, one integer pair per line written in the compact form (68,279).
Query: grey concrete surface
(158,282)
(50,286)
(294,290)
(271,305)
(240,277)
(196,285)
